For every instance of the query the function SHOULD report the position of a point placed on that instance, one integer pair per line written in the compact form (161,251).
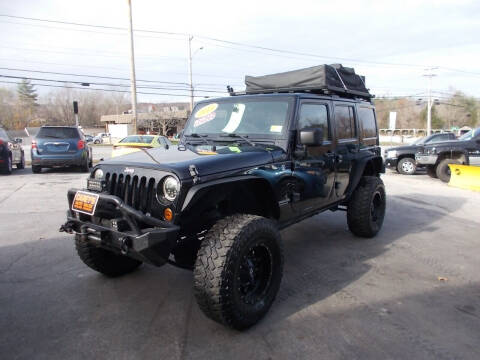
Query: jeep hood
(225,159)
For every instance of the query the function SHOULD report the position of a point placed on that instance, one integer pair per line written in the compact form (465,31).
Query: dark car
(89,138)
(60,146)
(402,158)
(247,166)
(436,157)
(11,153)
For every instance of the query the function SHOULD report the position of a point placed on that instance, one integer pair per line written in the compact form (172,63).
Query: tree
(27,95)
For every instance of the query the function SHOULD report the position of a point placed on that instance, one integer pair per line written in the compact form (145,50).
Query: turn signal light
(80,144)
(34,144)
(168,214)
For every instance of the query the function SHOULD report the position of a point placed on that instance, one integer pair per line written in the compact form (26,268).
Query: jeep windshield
(257,118)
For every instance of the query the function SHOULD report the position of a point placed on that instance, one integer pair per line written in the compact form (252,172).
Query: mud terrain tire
(238,270)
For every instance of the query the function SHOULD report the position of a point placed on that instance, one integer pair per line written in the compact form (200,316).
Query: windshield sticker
(235,118)
(206,152)
(276,128)
(234,149)
(204,119)
(206,110)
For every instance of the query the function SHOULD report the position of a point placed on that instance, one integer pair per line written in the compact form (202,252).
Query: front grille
(136,191)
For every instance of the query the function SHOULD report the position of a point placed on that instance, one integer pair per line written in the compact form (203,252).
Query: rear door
(314,173)
(57,140)
(346,134)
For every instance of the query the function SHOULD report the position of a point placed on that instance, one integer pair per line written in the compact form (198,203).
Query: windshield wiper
(203,138)
(244,138)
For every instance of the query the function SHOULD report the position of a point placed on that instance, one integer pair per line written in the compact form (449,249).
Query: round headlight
(171,187)
(98,174)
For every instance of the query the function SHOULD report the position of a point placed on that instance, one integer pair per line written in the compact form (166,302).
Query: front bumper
(391,163)
(152,244)
(426,159)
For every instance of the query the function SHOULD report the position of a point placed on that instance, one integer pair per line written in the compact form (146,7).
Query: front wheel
(238,270)
(366,209)
(407,166)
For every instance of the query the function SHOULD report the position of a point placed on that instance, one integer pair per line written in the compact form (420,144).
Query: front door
(314,171)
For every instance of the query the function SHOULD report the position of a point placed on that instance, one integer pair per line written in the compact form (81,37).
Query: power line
(88,83)
(92,76)
(235,43)
(105,90)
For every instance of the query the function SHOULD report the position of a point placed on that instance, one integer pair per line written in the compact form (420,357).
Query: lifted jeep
(247,166)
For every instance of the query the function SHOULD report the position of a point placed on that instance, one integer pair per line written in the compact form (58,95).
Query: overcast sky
(367,35)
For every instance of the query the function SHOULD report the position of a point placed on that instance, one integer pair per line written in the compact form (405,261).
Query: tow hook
(126,244)
(67,227)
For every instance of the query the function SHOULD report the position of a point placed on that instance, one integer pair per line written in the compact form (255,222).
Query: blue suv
(60,146)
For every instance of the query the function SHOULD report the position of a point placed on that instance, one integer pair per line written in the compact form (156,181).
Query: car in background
(11,153)
(134,143)
(89,138)
(60,146)
(100,138)
(402,158)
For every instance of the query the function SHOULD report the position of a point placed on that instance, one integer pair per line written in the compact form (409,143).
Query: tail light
(34,144)
(80,144)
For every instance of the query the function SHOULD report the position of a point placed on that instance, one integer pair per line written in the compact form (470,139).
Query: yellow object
(465,176)
(135,143)
(208,109)
(168,214)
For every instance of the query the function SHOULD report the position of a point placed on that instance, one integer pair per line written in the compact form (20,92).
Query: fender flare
(358,170)
(194,190)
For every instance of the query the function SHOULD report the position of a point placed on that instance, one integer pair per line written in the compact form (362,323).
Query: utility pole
(190,70)
(429,73)
(133,81)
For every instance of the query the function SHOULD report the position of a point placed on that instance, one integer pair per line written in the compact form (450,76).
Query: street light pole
(190,70)
(133,81)
(429,74)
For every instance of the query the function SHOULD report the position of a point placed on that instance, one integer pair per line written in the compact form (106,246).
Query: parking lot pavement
(413,292)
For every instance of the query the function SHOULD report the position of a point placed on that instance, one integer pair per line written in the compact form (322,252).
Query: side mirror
(311,137)
(18,140)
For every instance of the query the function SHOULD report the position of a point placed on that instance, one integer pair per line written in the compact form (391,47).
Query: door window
(345,122)
(314,116)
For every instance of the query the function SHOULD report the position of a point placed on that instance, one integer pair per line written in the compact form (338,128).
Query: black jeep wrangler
(436,157)
(247,166)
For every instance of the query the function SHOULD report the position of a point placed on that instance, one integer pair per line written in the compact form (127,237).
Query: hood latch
(194,173)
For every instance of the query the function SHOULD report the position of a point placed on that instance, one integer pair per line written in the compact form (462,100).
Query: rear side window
(367,121)
(314,115)
(58,133)
(345,122)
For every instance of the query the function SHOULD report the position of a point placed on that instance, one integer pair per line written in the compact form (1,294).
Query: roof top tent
(321,79)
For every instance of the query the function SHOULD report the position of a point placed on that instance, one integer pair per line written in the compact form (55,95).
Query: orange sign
(85,202)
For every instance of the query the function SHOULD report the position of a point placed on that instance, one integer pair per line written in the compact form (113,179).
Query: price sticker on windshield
(206,110)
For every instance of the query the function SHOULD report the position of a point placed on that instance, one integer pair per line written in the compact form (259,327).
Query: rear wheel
(36,169)
(7,170)
(443,170)
(104,261)
(407,166)
(238,270)
(21,164)
(86,166)
(432,171)
(366,209)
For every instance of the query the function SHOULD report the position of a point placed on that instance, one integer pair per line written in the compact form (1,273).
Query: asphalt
(413,292)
